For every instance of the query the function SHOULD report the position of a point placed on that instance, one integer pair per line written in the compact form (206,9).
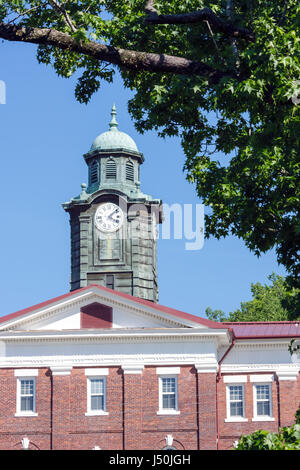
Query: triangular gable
(96,307)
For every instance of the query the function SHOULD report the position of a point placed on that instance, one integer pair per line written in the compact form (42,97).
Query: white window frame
(99,374)
(167,373)
(257,417)
(19,412)
(235,419)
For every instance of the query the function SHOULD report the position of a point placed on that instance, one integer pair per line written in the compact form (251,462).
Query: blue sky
(43,135)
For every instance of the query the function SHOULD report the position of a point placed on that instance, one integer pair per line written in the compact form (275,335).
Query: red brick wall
(61,411)
(183,427)
(103,431)
(133,400)
(288,392)
(13,429)
(289,401)
(132,404)
(207,411)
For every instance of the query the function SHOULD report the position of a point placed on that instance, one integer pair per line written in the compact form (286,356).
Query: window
(111,169)
(235,398)
(262,397)
(96,391)
(168,390)
(27,395)
(129,171)
(94,172)
(97,395)
(236,401)
(169,386)
(110,281)
(262,401)
(26,388)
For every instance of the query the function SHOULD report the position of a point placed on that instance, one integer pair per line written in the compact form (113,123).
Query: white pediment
(65,313)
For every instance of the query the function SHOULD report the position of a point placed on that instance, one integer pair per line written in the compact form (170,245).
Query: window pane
(27,404)
(236,400)
(263,408)
(169,402)
(236,392)
(110,281)
(97,402)
(263,392)
(26,387)
(97,387)
(236,409)
(169,385)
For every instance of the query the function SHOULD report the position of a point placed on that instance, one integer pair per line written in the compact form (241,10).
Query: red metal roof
(274,329)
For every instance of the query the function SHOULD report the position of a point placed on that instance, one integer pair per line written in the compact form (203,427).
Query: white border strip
(96,372)
(233,379)
(168,370)
(26,372)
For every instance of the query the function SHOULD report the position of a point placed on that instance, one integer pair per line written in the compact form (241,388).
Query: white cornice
(98,360)
(117,334)
(250,368)
(287,373)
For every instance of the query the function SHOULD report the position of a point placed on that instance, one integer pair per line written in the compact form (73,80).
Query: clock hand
(110,216)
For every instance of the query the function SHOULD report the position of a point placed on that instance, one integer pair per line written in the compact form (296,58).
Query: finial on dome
(113,123)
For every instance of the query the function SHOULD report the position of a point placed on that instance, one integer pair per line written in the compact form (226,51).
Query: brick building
(105,366)
(97,367)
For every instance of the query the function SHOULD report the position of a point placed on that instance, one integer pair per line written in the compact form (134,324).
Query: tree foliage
(223,75)
(288,438)
(297,416)
(275,302)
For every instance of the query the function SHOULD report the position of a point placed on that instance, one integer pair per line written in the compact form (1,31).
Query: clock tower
(114,224)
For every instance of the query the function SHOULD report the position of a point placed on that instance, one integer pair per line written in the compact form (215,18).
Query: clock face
(109,217)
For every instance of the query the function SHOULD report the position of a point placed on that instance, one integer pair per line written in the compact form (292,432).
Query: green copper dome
(114,139)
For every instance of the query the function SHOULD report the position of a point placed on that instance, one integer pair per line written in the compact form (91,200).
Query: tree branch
(206,14)
(214,41)
(25,13)
(129,59)
(64,13)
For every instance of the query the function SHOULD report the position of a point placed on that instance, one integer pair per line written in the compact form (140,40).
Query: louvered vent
(111,169)
(129,171)
(94,172)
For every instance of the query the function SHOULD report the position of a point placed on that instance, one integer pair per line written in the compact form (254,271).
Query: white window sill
(236,420)
(263,418)
(26,415)
(168,412)
(97,413)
